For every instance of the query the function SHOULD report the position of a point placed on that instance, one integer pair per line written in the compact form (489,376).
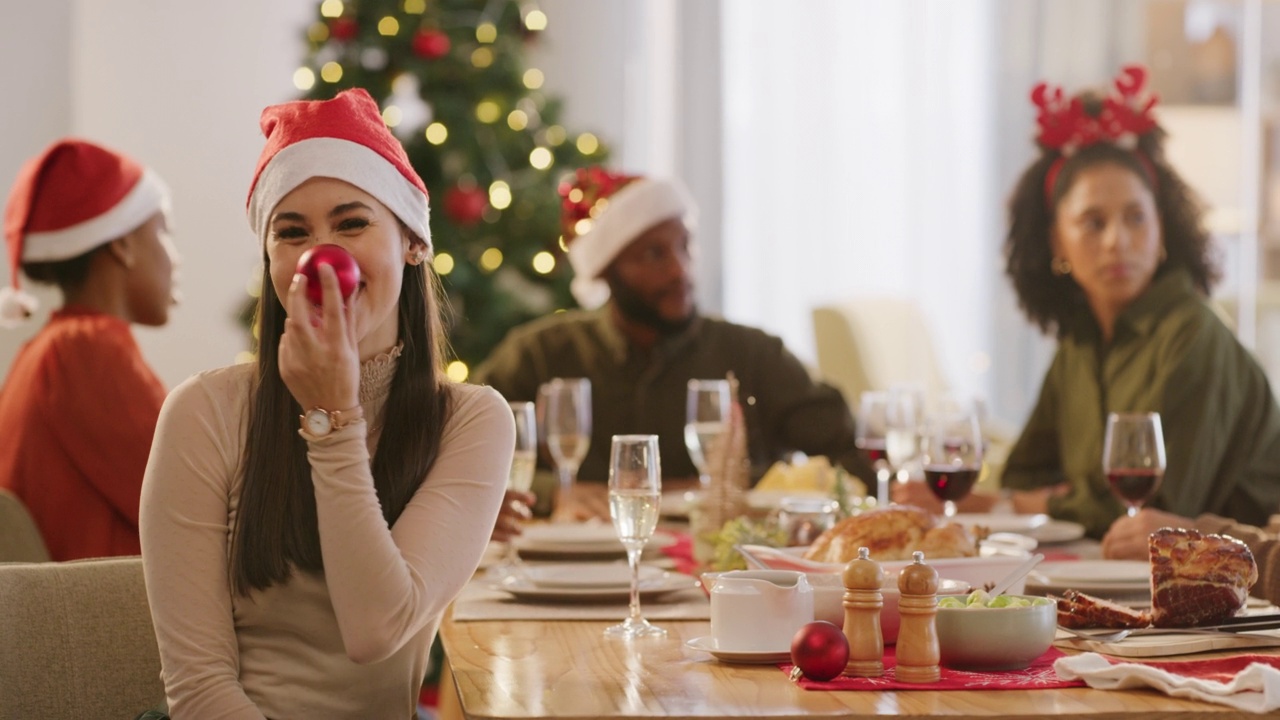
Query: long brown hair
(1049,299)
(276,529)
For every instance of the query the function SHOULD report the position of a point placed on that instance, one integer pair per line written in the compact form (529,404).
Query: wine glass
(523,462)
(902,429)
(871,437)
(706,417)
(568,421)
(952,454)
(635,491)
(1133,457)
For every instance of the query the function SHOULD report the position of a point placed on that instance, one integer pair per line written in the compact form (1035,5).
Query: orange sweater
(77,413)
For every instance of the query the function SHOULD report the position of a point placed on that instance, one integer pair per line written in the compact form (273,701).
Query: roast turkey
(891,533)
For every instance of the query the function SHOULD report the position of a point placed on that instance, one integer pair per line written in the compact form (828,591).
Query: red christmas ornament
(431,44)
(341,262)
(465,206)
(343,29)
(820,651)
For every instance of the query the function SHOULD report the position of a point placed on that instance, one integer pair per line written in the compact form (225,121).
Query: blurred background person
(1107,250)
(79,404)
(640,338)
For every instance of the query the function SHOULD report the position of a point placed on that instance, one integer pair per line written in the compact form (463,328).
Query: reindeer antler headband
(1065,126)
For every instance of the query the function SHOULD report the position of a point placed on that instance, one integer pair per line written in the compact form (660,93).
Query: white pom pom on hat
(69,199)
(343,138)
(632,205)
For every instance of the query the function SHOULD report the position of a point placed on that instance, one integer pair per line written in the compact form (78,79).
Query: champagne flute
(706,416)
(902,429)
(952,456)
(1133,457)
(568,420)
(523,463)
(635,491)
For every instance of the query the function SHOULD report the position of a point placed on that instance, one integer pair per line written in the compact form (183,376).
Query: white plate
(591,542)
(676,503)
(588,575)
(708,644)
(1097,571)
(525,590)
(1040,527)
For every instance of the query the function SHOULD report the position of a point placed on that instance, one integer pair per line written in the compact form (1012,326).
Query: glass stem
(633,559)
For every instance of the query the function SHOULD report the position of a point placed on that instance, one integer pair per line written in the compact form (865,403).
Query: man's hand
(1127,537)
(515,510)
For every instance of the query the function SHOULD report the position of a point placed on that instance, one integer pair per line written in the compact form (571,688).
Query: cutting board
(1167,645)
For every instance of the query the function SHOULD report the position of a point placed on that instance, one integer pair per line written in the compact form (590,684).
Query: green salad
(980,599)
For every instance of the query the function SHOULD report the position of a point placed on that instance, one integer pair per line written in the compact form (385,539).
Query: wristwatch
(319,422)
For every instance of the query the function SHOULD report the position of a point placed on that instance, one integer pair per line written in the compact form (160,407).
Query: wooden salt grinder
(917,648)
(863,601)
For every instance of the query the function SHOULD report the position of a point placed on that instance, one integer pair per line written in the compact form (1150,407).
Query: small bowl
(1007,638)
(828,600)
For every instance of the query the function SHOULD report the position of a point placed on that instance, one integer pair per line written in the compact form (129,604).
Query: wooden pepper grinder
(863,601)
(918,634)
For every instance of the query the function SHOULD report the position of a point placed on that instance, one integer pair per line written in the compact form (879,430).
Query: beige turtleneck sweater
(352,642)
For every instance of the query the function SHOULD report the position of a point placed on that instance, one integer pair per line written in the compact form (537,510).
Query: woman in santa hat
(306,519)
(79,405)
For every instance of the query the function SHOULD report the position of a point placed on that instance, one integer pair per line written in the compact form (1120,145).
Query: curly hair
(1049,299)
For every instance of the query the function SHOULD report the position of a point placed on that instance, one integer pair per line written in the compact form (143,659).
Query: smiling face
(1107,226)
(324,210)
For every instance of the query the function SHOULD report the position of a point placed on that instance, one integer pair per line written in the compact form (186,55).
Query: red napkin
(1038,676)
(681,552)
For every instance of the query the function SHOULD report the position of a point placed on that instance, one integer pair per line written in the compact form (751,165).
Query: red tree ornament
(343,29)
(344,266)
(431,44)
(465,206)
(820,651)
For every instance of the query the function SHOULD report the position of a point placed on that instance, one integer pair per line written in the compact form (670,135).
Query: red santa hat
(68,200)
(343,138)
(602,212)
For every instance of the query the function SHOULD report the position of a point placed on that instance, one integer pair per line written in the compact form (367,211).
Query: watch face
(318,422)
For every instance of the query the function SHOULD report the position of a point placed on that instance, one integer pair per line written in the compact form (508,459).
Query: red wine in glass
(951,482)
(1135,486)
(874,450)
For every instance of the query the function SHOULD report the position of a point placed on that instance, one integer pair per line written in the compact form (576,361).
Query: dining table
(552,666)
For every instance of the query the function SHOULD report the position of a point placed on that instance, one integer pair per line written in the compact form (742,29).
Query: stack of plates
(587,582)
(1042,528)
(1103,578)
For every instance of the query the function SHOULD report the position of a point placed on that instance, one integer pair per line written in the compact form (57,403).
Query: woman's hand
(511,517)
(1127,537)
(319,359)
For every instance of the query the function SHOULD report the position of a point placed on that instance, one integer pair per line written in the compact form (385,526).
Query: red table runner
(1038,676)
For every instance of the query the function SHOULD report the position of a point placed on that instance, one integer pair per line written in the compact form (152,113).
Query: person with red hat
(79,404)
(639,339)
(306,519)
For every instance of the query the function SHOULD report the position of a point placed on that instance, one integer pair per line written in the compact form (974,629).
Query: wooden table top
(569,669)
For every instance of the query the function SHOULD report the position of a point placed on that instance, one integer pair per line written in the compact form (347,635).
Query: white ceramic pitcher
(759,610)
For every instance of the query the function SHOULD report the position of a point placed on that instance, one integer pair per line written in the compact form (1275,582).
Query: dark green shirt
(644,392)
(1172,355)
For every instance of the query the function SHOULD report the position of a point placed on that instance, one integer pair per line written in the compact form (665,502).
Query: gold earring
(416,257)
(1060,266)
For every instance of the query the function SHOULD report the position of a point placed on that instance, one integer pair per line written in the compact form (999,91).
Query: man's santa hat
(602,212)
(343,138)
(66,201)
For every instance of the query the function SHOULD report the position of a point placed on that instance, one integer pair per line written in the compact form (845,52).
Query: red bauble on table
(342,263)
(465,206)
(343,29)
(820,651)
(431,44)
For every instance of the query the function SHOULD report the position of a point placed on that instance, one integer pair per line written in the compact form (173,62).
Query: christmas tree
(454,86)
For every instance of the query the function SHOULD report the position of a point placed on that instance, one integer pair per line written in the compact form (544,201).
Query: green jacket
(635,392)
(1172,355)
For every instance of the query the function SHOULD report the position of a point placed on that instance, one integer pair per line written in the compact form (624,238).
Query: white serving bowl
(828,600)
(1007,638)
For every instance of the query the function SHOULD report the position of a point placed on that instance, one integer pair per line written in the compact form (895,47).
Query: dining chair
(20,539)
(77,640)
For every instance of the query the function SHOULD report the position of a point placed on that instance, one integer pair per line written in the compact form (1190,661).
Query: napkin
(1245,682)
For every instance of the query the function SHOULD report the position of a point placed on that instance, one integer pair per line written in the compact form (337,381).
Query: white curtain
(859,160)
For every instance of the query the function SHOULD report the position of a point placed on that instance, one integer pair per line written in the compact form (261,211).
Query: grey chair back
(20,539)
